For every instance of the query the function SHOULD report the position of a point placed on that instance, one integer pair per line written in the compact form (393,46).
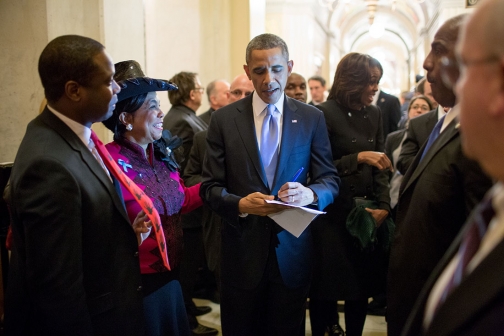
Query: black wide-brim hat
(133,82)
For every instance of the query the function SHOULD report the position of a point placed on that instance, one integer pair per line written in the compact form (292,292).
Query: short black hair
(319,79)
(67,58)
(266,42)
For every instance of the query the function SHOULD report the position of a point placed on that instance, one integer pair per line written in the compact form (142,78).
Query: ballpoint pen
(298,173)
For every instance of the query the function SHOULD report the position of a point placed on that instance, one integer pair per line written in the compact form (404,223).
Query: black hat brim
(132,87)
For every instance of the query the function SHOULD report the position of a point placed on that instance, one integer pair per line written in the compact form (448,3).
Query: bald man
(240,87)
(217,93)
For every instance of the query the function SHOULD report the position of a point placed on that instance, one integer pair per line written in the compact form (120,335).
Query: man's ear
(73,91)
(247,71)
(290,65)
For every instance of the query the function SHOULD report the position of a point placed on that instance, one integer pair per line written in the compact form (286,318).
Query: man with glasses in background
(241,87)
(217,92)
(182,121)
(438,192)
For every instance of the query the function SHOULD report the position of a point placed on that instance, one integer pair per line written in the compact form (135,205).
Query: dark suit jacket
(391,112)
(418,132)
(435,199)
(207,115)
(74,267)
(183,122)
(473,308)
(392,142)
(233,169)
(210,221)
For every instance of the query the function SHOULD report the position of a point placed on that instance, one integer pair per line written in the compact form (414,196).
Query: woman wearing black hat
(343,271)
(145,154)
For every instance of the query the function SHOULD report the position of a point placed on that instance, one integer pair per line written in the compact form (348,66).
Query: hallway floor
(375,325)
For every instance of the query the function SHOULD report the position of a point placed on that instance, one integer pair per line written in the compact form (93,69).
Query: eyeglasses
(451,68)
(200,89)
(240,93)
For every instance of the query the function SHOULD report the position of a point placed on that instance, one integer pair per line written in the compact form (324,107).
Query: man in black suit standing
(217,93)
(317,85)
(391,111)
(182,121)
(255,147)
(474,304)
(438,192)
(74,268)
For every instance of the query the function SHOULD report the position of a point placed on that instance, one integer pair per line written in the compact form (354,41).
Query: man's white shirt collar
(83,132)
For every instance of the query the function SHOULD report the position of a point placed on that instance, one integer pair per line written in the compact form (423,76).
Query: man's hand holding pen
(297,194)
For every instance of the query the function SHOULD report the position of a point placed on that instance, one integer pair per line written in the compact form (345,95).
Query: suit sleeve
(395,114)
(184,131)
(389,142)
(409,150)
(51,225)
(194,166)
(213,186)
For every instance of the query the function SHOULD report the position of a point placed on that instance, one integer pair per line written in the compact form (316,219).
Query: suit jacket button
(136,254)
(365,116)
(354,140)
(346,171)
(371,140)
(139,288)
(352,187)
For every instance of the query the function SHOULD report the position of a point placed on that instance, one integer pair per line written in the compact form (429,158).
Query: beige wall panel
(24,35)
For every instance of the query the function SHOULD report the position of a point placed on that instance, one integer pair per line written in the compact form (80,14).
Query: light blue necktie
(269,143)
(433,136)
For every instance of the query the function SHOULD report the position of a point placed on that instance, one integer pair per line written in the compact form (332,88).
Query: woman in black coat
(342,271)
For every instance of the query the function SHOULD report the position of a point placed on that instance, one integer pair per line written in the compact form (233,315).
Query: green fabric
(361,225)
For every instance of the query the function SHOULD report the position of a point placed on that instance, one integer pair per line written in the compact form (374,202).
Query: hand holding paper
(255,204)
(295,218)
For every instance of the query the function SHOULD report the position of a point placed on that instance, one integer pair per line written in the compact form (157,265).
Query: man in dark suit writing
(254,148)
(74,267)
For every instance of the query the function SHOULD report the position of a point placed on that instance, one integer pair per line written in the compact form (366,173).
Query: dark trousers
(325,313)
(270,309)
